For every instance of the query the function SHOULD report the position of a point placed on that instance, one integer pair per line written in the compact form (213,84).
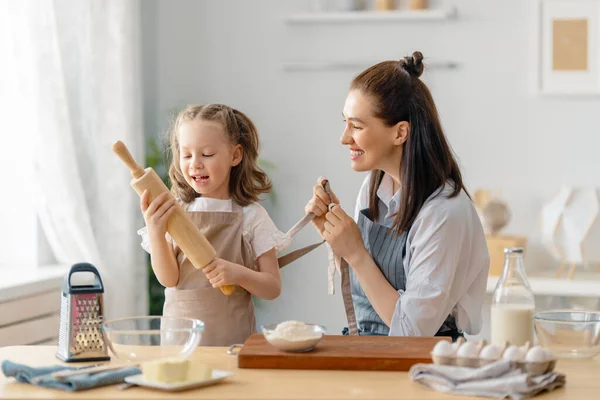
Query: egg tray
(533,368)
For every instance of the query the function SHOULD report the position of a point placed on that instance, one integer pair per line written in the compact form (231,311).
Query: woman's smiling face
(372,144)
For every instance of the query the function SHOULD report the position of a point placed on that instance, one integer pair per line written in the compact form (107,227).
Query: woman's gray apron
(387,250)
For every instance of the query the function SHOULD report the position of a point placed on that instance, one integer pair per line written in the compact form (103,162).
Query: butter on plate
(175,370)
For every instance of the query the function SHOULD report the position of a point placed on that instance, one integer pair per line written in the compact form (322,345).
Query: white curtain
(78,62)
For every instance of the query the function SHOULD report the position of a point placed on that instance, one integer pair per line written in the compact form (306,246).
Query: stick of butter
(174,370)
(199,372)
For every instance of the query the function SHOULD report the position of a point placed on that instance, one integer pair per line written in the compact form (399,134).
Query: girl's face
(206,157)
(372,144)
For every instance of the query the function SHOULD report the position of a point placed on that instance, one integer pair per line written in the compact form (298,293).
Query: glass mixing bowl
(139,339)
(569,333)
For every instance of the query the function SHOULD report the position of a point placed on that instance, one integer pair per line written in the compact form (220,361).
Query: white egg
(537,354)
(455,346)
(525,348)
(468,350)
(491,352)
(513,353)
(443,348)
(549,354)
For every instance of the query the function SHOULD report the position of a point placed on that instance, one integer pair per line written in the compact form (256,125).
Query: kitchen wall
(507,138)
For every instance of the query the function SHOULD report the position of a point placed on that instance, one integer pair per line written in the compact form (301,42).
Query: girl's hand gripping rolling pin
(189,238)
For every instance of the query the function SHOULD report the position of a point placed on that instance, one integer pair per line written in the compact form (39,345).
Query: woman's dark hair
(428,161)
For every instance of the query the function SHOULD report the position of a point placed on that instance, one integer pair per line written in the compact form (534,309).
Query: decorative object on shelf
(570,227)
(384,5)
(568,41)
(494,215)
(350,5)
(480,198)
(550,216)
(417,4)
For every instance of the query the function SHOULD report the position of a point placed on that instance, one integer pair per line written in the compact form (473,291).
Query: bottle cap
(517,250)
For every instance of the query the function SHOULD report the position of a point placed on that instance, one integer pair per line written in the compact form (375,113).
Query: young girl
(215,177)
(416,247)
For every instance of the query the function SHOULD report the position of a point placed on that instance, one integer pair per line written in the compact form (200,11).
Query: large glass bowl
(569,333)
(139,339)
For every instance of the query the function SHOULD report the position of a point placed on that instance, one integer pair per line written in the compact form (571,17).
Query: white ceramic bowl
(305,342)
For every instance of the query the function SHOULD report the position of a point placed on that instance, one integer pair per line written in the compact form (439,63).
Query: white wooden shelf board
(435,14)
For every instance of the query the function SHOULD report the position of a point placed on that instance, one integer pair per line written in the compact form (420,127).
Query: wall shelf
(583,285)
(313,66)
(372,16)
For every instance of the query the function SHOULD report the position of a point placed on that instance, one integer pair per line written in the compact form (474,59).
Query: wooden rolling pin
(181,228)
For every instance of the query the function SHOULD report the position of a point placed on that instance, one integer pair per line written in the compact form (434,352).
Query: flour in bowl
(294,331)
(294,336)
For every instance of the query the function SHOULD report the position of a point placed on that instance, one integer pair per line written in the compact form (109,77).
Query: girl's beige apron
(230,319)
(227,319)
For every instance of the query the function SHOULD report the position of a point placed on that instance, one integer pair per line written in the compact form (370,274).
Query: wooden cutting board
(365,353)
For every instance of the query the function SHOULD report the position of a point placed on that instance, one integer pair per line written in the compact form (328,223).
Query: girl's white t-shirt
(257,226)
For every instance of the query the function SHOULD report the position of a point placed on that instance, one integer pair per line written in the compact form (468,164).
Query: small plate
(217,376)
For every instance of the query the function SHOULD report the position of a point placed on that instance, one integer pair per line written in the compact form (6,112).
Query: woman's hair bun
(413,65)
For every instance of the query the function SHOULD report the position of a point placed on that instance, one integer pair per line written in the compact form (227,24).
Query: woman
(416,247)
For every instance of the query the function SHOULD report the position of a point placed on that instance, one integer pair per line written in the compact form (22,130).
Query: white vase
(571,225)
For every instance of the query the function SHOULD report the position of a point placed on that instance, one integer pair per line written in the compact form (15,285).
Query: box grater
(81,314)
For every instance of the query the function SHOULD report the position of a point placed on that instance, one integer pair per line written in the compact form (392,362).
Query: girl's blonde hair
(247,181)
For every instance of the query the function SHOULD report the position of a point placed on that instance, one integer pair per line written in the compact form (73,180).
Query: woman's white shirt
(446,262)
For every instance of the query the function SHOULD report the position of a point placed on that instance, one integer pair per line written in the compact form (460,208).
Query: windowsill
(20,282)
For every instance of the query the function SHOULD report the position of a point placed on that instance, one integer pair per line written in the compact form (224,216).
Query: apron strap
(296,254)
(300,224)
(334,261)
(345,281)
(347,296)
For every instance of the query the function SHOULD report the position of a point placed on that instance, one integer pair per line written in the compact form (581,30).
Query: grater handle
(85,267)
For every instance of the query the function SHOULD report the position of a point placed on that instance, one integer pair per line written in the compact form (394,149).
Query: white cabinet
(30,305)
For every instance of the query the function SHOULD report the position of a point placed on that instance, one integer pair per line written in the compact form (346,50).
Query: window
(22,242)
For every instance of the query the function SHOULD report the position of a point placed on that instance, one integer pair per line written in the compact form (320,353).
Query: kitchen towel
(41,376)
(497,380)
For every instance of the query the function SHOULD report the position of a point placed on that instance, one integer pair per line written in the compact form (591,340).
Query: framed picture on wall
(568,44)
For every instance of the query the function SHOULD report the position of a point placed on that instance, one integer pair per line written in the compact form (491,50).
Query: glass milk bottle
(513,303)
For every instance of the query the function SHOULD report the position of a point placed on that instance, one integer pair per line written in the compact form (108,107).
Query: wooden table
(583,382)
